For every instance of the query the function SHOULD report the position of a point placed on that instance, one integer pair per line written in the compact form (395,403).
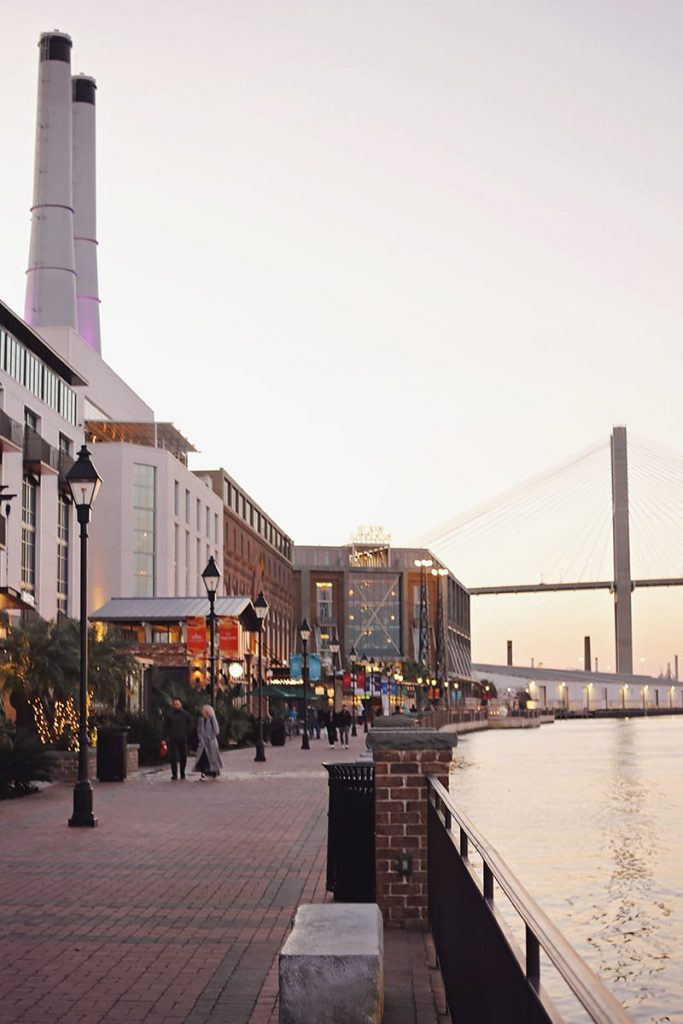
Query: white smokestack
(51,274)
(85,210)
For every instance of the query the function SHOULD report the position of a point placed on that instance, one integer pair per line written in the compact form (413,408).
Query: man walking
(343,725)
(177,730)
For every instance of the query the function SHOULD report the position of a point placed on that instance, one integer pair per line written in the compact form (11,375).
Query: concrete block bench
(332,965)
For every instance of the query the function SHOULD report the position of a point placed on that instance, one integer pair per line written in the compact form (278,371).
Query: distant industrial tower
(61,282)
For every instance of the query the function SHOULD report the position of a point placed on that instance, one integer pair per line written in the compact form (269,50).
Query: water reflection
(589,815)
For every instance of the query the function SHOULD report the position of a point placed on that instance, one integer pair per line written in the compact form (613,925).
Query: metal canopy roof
(174,609)
(149,434)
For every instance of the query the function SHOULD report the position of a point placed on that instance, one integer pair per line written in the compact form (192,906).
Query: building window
(176,498)
(63,509)
(187,506)
(215,528)
(65,445)
(199,516)
(144,517)
(374,614)
(324,611)
(29,504)
(200,584)
(176,559)
(30,419)
(187,563)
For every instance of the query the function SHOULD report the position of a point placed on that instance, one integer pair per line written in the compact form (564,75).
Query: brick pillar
(403,759)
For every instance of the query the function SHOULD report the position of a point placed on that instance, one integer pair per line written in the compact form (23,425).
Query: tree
(40,667)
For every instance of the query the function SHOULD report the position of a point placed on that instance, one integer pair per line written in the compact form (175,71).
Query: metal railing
(37,451)
(10,430)
(488,978)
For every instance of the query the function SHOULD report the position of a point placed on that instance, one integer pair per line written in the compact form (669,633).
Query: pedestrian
(177,726)
(294,720)
(313,722)
(331,727)
(320,721)
(208,752)
(344,724)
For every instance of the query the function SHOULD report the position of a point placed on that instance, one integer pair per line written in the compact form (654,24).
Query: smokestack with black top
(85,210)
(51,274)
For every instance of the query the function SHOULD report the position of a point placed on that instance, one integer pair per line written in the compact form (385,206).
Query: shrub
(23,761)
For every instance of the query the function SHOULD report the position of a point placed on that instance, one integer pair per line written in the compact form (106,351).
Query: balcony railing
(38,454)
(11,433)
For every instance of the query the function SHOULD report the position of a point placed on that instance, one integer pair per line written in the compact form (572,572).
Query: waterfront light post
(84,483)
(441,657)
(261,609)
(305,634)
(352,661)
(423,646)
(211,577)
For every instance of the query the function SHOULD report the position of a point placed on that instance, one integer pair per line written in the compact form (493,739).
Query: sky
(381,260)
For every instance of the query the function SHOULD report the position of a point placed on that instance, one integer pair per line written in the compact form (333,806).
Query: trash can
(277,733)
(112,753)
(351,832)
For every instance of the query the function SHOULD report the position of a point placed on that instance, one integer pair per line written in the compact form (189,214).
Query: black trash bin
(351,832)
(277,732)
(112,753)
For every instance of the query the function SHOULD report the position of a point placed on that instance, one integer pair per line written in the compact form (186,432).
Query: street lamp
(352,659)
(84,483)
(305,634)
(423,649)
(261,609)
(211,576)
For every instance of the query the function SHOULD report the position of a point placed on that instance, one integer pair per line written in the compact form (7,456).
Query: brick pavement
(173,909)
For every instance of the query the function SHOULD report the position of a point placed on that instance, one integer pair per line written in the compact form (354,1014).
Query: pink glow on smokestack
(85,210)
(51,274)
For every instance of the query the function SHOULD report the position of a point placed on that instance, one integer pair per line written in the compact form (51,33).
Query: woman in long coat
(208,753)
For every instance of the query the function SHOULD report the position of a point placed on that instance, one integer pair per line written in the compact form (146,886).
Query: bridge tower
(623,584)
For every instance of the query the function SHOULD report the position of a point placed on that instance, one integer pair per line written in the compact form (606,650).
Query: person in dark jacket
(177,725)
(343,722)
(330,726)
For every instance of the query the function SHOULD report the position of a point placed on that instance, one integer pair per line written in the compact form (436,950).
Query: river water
(589,815)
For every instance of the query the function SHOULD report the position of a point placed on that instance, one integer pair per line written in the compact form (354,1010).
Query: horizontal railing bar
(593,995)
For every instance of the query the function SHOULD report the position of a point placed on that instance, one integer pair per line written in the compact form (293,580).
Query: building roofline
(33,341)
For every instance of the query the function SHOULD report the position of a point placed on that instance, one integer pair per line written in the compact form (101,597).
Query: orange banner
(196,635)
(229,638)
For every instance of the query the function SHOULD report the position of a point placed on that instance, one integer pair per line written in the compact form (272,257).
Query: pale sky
(383,259)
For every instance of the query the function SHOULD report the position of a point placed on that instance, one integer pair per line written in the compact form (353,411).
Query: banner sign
(229,638)
(196,635)
(360,681)
(296,667)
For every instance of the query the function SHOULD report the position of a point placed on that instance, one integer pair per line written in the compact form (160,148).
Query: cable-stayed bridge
(607,518)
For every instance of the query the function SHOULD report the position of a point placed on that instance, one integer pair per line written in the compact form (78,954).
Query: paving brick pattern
(173,909)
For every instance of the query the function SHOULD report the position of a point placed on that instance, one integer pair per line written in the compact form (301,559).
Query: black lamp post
(352,659)
(211,576)
(261,609)
(305,634)
(84,483)
(364,659)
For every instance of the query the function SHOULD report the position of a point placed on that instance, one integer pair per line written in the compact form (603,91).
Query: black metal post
(212,650)
(260,748)
(83,804)
(355,709)
(305,745)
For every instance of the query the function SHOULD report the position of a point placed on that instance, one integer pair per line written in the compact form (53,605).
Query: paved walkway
(173,910)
